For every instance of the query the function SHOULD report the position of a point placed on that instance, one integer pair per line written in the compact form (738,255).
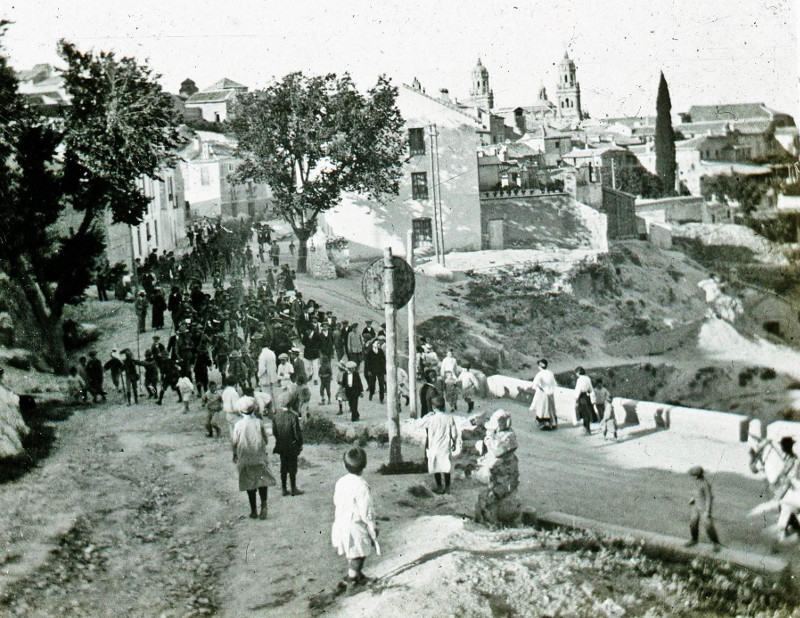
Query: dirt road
(138,512)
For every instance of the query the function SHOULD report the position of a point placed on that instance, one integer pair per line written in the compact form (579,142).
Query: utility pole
(412,338)
(434,190)
(393,414)
(613,175)
(438,193)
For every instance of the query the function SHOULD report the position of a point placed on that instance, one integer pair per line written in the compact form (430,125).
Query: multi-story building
(208,165)
(441,168)
(163,226)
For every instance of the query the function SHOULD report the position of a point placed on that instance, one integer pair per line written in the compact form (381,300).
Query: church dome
(480,69)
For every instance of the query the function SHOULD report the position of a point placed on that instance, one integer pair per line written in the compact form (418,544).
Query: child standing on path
(212,400)
(325,377)
(354,533)
(702,501)
(186,389)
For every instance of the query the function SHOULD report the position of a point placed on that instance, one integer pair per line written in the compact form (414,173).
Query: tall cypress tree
(665,139)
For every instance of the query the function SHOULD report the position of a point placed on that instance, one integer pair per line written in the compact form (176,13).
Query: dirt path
(137,512)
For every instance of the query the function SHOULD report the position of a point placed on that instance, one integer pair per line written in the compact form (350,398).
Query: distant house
(207,165)
(215,102)
(755,130)
(43,87)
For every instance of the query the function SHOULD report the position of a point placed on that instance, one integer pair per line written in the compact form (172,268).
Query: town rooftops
(38,73)
(728,111)
(750,126)
(226,84)
(211,96)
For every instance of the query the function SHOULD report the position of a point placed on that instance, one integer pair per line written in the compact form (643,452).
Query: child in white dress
(354,533)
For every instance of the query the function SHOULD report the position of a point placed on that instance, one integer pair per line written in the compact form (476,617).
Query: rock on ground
(12,426)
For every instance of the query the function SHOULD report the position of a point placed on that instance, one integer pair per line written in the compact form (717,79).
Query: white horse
(779,470)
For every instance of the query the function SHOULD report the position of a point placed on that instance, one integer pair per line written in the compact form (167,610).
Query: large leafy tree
(89,159)
(313,138)
(665,139)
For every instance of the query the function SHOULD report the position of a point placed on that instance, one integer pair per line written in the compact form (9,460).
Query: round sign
(372,283)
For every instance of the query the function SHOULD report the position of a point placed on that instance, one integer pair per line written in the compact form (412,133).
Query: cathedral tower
(481,94)
(568,92)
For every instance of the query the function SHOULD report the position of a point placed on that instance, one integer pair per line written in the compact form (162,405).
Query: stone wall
(539,221)
(721,426)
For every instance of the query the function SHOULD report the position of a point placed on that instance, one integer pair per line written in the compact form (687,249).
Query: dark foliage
(665,139)
(313,138)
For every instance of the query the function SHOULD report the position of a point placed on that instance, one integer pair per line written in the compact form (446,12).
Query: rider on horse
(789,501)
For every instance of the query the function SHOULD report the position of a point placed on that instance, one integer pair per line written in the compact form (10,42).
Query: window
(204,177)
(419,186)
(231,167)
(170,191)
(422,231)
(416,141)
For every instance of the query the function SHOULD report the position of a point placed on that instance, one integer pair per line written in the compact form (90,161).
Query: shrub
(767,373)
(321,430)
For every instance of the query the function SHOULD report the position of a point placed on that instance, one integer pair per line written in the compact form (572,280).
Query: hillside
(633,316)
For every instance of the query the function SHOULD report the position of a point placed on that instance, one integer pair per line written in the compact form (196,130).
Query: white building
(207,165)
(453,173)
(215,102)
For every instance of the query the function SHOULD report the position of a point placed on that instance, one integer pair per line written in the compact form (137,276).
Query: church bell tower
(482,95)
(568,92)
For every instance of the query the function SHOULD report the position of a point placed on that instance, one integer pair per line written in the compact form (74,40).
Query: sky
(711,51)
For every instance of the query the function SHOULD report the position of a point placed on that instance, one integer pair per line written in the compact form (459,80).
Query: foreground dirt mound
(12,427)
(447,567)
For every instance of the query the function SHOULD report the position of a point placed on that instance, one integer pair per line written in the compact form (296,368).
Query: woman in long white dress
(544,400)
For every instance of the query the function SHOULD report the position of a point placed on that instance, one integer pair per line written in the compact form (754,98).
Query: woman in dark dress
(159,305)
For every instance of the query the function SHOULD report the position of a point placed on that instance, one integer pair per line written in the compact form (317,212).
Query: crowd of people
(235,312)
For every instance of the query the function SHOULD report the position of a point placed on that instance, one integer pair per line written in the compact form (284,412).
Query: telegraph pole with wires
(435,190)
(437,193)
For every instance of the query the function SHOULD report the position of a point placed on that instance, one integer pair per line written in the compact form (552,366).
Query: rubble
(498,468)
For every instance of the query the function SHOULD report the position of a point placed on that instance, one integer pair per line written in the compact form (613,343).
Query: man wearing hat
(353,389)
(285,371)
(288,443)
(789,502)
(702,502)
(340,338)
(354,346)
(368,334)
(114,366)
(94,377)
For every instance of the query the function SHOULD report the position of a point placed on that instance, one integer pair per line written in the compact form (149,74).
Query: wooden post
(412,339)
(393,422)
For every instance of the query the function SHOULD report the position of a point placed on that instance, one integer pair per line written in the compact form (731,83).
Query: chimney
(444,95)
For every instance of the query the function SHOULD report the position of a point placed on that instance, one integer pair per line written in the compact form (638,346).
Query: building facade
(441,167)
(208,165)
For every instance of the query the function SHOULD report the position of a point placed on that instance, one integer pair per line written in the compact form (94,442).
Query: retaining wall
(721,426)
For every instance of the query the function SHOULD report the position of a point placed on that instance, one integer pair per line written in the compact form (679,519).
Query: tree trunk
(302,252)
(50,324)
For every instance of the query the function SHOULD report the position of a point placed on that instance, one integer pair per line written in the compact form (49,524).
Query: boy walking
(288,444)
(702,501)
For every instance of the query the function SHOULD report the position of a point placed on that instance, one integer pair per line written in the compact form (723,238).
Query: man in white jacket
(267,369)
(443,441)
